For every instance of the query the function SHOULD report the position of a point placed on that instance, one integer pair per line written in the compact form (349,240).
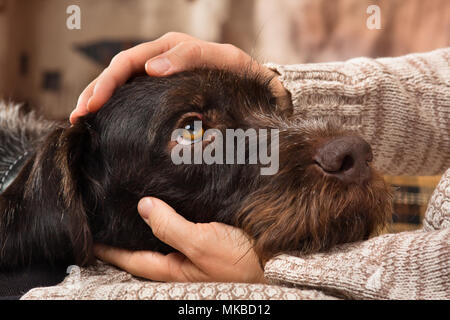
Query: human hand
(172,53)
(207,251)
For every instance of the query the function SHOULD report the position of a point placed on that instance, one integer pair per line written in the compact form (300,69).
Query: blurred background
(45,65)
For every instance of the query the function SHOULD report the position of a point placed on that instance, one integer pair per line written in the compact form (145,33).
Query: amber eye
(192,132)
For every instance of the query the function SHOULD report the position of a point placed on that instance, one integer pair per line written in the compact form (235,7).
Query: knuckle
(192,49)
(172,39)
(239,55)
(87,91)
(200,242)
(159,229)
(234,52)
(214,225)
(194,252)
(173,35)
(173,268)
(130,262)
(119,58)
(229,47)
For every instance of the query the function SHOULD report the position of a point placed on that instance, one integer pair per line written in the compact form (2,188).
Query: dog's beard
(281,217)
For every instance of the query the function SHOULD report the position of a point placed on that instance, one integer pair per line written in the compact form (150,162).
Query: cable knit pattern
(437,215)
(106,282)
(401,106)
(408,265)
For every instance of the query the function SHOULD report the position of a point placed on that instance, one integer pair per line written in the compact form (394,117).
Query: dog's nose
(346,158)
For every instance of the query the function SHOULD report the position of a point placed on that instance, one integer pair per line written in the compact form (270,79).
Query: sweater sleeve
(401,106)
(407,265)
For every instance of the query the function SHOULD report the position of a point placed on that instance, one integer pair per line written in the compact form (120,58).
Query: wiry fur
(82,183)
(20,133)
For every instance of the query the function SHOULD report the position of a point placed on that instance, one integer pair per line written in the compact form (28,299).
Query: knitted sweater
(402,107)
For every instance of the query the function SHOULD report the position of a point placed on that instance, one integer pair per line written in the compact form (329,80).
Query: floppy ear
(42,214)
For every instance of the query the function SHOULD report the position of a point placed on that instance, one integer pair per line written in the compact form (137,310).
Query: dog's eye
(192,133)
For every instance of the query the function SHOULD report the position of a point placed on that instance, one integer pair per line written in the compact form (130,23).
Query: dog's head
(240,158)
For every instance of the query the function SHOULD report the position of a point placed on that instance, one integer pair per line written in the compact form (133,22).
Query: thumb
(185,55)
(166,224)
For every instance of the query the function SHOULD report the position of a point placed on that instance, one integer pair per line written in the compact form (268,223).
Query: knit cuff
(409,265)
(323,90)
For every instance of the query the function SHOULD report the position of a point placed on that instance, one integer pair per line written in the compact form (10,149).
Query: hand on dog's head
(83,183)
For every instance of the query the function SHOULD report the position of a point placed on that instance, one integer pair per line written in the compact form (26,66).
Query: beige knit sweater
(402,107)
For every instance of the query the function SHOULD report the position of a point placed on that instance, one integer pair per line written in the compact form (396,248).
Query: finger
(81,107)
(127,63)
(183,56)
(188,55)
(150,265)
(108,81)
(169,226)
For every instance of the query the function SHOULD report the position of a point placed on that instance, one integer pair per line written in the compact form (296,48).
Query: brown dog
(81,184)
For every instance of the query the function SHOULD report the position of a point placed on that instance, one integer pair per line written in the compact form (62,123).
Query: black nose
(345,158)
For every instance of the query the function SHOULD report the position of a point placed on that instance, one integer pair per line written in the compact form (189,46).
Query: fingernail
(160,65)
(71,119)
(145,205)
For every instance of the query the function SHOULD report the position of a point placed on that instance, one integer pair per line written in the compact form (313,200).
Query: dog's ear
(43,219)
